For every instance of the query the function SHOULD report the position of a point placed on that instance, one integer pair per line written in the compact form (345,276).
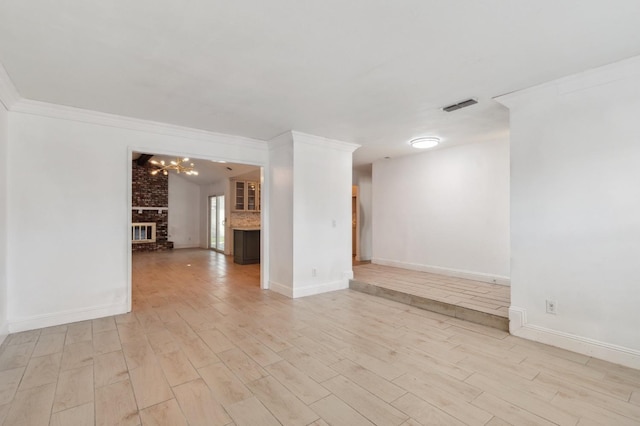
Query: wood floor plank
(32,406)
(388,371)
(216,341)
(310,365)
(77,355)
(110,368)
(150,385)
(41,370)
(511,413)
(138,353)
(82,415)
(101,325)
(116,405)
(258,352)
(589,412)
(164,413)
(593,381)
(317,350)
(181,331)
(383,389)
(17,355)
(367,404)
(337,412)
(523,400)
(297,382)
(131,332)
(424,412)
(245,368)
(162,342)
(199,353)
(75,387)
(198,404)
(9,381)
(449,403)
(79,332)
(592,396)
(49,344)
(284,405)
(105,342)
(224,385)
(251,412)
(177,368)
(23,337)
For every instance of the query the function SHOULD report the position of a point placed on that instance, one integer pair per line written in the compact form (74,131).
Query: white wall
(576,212)
(362,177)
(4,142)
(68,211)
(321,214)
(445,211)
(281,220)
(184,212)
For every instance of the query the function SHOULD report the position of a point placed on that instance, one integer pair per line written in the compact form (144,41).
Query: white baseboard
(458,273)
(518,326)
(320,288)
(185,246)
(310,290)
(281,288)
(65,317)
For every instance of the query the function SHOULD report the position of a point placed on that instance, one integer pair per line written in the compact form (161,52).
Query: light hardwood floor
(481,296)
(475,301)
(205,346)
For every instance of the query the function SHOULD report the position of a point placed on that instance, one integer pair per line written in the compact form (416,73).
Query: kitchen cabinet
(246,246)
(246,196)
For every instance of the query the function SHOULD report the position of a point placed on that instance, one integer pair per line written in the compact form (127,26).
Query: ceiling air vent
(459,105)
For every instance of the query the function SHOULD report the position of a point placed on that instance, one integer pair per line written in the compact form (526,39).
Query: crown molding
(621,70)
(324,142)
(282,140)
(63,112)
(9,95)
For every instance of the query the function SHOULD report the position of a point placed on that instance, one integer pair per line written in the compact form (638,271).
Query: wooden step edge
(460,312)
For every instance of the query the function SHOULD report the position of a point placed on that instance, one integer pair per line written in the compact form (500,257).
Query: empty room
(319,213)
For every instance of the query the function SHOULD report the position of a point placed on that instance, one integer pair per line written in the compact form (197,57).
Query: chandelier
(177,165)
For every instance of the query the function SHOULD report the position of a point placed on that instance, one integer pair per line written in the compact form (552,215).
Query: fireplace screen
(143,232)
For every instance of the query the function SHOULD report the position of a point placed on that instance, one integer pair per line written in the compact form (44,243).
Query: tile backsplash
(245,219)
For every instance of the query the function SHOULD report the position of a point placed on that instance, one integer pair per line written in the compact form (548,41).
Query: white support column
(310,214)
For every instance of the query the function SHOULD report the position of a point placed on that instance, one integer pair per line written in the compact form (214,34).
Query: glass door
(216,223)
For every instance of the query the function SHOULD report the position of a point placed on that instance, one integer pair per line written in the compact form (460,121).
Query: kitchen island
(246,245)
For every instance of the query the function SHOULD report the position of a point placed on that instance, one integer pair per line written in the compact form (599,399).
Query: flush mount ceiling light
(176,165)
(424,143)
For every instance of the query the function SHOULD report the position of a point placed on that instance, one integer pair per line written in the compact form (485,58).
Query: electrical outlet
(552,307)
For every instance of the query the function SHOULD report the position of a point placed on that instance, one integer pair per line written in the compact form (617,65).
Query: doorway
(217,223)
(354,223)
(355,231)
(200,209)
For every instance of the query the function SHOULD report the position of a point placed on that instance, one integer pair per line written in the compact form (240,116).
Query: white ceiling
(373,72)
(209,171)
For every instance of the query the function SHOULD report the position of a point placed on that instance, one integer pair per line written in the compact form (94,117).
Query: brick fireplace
(150,204)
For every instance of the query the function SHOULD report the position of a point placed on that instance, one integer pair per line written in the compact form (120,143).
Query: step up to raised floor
(449,309)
